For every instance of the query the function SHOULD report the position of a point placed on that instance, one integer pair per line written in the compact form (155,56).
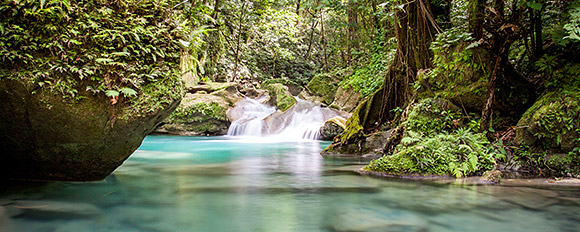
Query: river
(261,184)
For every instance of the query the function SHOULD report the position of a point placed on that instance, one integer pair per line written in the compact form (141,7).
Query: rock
(46,137)
(493,176)
(377,141)
(198,114)
(280,96)
(332,127)
(323,85)
(346,100)
(254,93)
(55,209)
(465,84)
(552,122)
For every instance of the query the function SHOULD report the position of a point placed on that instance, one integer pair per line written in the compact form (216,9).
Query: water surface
(236,184)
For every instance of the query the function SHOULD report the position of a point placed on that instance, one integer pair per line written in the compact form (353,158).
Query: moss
(553,122)
(354,128)
(431,116)
(198,112)
(91,48)
(323,85)
(280,95)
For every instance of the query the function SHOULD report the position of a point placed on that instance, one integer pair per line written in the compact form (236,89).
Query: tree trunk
(476,10)
(415,28)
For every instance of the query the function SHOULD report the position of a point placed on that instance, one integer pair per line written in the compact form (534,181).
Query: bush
(461,153)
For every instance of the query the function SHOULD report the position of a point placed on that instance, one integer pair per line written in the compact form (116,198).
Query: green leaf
(103,60)
(112,93)
(128,91)
(534,5)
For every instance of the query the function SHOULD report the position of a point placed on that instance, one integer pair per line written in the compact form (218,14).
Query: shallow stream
(241,184)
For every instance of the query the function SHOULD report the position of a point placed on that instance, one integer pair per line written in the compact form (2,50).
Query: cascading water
(250,116)
(301,121)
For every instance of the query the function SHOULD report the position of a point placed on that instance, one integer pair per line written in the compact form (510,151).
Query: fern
(112,93)
(128,92)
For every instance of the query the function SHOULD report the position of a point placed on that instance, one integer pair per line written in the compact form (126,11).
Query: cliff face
(47,138)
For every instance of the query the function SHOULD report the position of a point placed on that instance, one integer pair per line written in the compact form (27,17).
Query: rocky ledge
(46,137)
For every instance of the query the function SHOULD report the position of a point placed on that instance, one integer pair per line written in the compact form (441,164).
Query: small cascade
(249,117)
(301,121)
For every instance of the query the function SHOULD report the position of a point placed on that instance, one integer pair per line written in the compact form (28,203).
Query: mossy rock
(280,96)
(293,87)
(77,101)
(462,77)
(553,122)
(323,85)
(47,138)
(431,116)
(198,114)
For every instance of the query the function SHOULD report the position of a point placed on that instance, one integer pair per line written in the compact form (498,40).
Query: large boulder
(198,114)
(323,85)
(346,99)
(553,122)
(47,138)
(280,96)
(77,100)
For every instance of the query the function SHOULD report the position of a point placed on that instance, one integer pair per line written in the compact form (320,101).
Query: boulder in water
(332,127)
(493,176)
(280,96)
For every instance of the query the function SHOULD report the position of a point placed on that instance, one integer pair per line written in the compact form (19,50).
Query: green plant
(458,154)
(431,116)
(90,47)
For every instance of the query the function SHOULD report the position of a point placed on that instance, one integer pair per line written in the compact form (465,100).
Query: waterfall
(255,118)
(249,114)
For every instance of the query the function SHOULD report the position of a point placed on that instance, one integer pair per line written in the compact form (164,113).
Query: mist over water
(235,184)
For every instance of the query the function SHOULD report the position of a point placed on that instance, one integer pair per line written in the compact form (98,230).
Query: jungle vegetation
(491,59)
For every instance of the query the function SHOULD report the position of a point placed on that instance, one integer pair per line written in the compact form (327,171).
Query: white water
(301,121)
(250,116)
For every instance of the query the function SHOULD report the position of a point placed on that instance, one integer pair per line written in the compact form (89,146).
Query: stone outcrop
(46,137)
(332,127)
(346,99)
(198,114)
(553,122)
(280,96)
(493,176)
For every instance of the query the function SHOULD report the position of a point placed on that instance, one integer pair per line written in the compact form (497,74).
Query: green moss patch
(280,96)
(323,85)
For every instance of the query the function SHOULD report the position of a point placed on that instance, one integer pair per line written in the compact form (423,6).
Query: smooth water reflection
(228,184)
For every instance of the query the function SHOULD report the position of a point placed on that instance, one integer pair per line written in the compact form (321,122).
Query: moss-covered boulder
(280,96)
(553,122)
(461,76)
(198,114)
(323,85)
(44,137)
(82,83)
(346,99)
(294,88)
